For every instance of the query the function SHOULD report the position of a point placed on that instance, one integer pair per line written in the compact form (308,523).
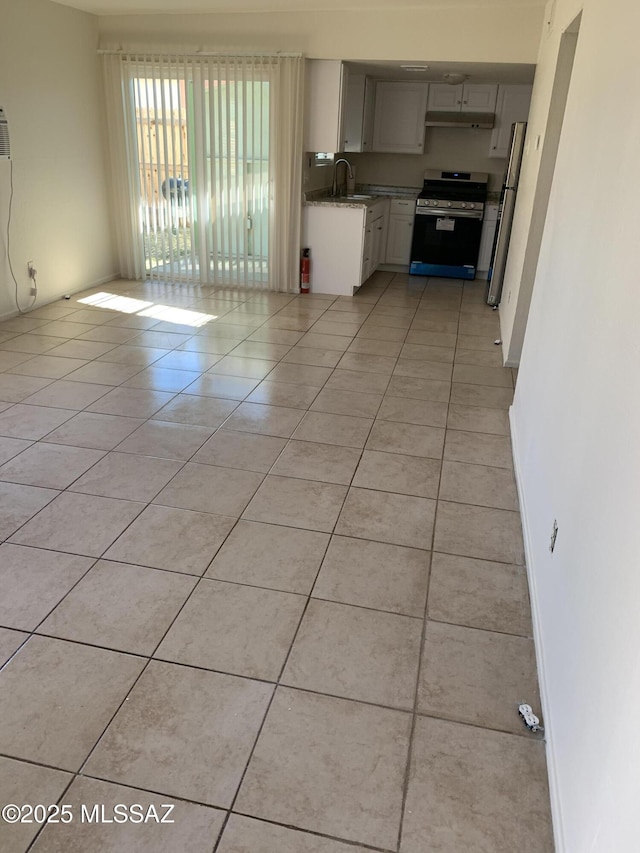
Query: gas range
(448,224)
(454,205)
(453,191)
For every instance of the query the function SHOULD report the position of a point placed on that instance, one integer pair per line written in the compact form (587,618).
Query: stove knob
(463,204)
(448,204)
(471,205)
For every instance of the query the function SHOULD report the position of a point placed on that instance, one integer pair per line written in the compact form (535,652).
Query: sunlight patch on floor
(127,305)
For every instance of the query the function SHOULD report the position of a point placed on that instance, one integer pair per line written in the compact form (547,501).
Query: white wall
(445,148)
(499,33)
(51,92)
(576,429)
(544,122)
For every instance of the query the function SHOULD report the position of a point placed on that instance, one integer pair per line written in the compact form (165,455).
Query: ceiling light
(414,67)
(454,79)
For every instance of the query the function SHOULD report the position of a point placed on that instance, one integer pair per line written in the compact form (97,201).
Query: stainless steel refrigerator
(505,216)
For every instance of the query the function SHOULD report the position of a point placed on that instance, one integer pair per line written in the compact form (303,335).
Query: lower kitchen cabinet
(400,231)
(347,244)
(374,240)
(486,239)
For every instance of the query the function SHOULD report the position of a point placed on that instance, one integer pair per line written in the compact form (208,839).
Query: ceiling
(136,7)
(475,72)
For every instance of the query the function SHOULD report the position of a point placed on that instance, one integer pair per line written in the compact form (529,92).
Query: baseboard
(97,283)
(556,812)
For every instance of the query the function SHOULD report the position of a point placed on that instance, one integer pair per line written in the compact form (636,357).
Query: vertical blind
(206,165)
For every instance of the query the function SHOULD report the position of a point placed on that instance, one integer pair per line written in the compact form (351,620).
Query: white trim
(60,297)
(552,770)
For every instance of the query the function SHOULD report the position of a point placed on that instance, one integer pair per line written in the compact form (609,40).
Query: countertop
(323,197)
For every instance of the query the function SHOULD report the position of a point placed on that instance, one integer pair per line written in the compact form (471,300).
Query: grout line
(291,645)
(414,718)
(395,313)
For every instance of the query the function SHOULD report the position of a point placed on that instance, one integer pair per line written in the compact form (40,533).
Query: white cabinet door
(354,112)
(470,97)
(486,238)
(379,240)
(368,250)
(368,114)
(375,237)
(399,239)
(512,105)
(358,112)
(479,97)
(325,82)
(398,126)
(444,98)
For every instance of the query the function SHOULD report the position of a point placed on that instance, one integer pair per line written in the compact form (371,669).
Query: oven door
(445,243)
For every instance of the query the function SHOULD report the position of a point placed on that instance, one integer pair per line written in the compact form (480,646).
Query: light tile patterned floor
(269,570)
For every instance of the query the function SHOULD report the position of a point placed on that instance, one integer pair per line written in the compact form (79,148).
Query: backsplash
(445,148)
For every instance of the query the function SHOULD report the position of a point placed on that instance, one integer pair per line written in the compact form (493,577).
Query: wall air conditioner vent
(5,146)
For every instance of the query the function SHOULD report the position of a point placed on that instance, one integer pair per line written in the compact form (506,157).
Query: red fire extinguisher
(305,270)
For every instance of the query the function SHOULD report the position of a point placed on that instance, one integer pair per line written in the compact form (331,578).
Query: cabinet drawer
(402,206)
(375,210)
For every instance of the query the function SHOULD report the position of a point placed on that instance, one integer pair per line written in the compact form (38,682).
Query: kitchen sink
(352,197)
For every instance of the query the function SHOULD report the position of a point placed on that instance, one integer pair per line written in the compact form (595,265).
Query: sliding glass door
(205,157)
(202,169)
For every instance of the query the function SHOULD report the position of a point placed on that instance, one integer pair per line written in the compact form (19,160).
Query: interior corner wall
(538,162)
(500,33)
(575,426)
(51,92)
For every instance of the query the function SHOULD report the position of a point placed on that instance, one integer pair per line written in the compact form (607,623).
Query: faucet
(334,186)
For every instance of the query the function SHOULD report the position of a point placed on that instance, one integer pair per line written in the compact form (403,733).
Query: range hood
(446,119)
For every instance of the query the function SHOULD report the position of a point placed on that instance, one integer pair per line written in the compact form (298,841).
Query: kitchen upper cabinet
(512,105)
(326,84)
(398,124)
(358,113)
(400,231)
(466,97)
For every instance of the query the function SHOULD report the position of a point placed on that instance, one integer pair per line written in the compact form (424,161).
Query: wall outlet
(554,536)
(32,271)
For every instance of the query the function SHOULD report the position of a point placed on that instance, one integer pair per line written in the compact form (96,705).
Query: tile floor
(269,570)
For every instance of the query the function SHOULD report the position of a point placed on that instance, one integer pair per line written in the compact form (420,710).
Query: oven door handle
(453,214)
